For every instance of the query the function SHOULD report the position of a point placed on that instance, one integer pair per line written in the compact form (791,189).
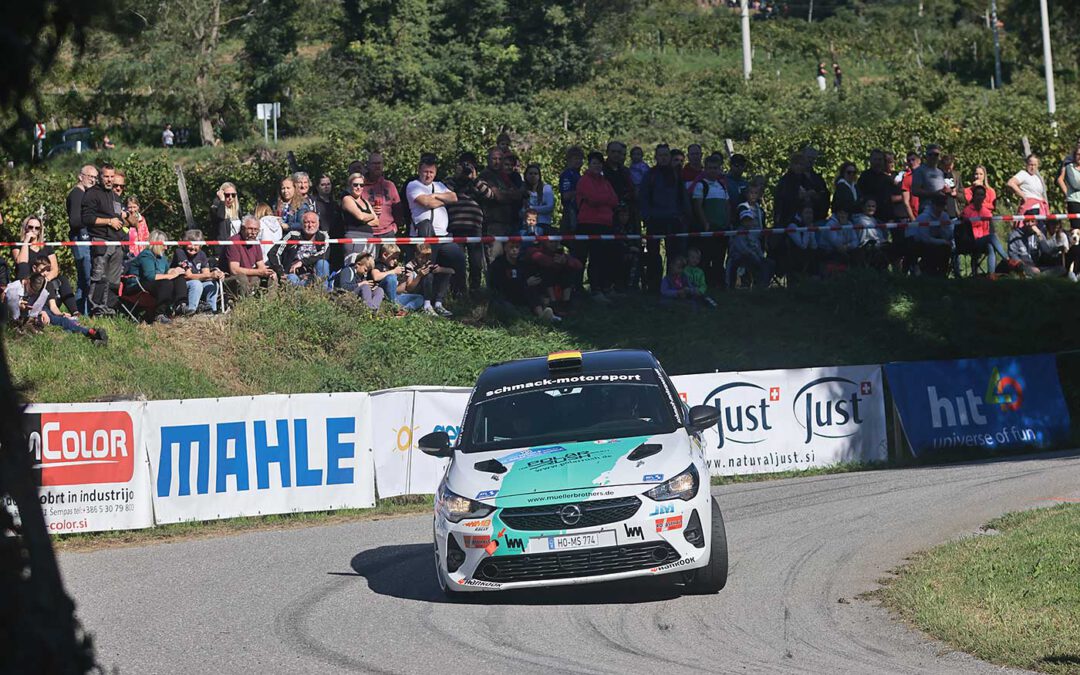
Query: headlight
(456,508)
(684,487)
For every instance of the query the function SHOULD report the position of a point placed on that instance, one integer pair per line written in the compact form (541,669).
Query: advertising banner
(247,456)
(91,466)
(393,437)
(779,420)
(1004,402)
(434,410)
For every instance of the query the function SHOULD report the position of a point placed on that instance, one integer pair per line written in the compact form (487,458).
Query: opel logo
(570,514)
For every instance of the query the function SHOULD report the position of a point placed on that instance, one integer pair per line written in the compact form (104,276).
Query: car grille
(586,563)
(599,512)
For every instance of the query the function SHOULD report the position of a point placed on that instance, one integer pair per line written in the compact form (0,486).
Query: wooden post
(181,185)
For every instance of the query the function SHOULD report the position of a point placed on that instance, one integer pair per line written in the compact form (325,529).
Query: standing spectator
(107,144)
(301,257)
(664,206)
(954,200)
(302,181)
(838,77)
(88,176)
(356,277)
(911,200)
(514,285)
(27,302)
(431,279)
(271,229)
(845,193)
(568,181)
(929,180)
(357,216)
(328,208)
(33,254)
(501,209)
(976,216)
(596,202)
(539,197)
(465,216)
(245,265)
(200,278)
(138,230)
(934,236)
(792,192)
(100,218)
(747,251)
(822,83)
(711,196)
(678,160)
(979,179)
(428,199)
(225,212)
(502,142)
(1069,181)
(694,165)
(290,206)
(167,284)
(167,137)
(1028,185)
(736,180)
(383,196)
(619,176)
(638,166)
(817,191)
(119,185)
(877,183)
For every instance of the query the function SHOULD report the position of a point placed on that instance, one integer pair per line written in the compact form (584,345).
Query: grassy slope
(1012,598)
(302,342)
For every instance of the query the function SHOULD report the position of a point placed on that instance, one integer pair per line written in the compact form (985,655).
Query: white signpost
(267,112)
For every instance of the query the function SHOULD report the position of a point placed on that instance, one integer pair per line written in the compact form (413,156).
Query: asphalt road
(362,596)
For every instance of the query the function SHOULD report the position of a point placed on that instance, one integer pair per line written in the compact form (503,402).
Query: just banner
(247,456)
(779,420)
(1004,402)
(91,466)
(401,418)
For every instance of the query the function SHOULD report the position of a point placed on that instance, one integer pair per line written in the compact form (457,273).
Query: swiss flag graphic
(866,389)
(774,394)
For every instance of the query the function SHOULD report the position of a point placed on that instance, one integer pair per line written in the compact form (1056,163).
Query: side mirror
(436,444)
(703,416)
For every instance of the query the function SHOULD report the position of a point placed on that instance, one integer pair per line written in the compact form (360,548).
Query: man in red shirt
(383,196)
(910,200)
(694,166)
(244,263)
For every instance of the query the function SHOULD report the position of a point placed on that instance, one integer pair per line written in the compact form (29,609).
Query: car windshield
(564,414)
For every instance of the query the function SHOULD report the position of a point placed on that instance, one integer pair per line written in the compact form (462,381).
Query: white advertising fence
(247,456)
(91,465)
(779,420)
(110,466)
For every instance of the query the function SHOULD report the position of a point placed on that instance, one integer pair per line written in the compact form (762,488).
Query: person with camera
(466,216)
(301,257)
(28,304)
(431,279)
(356,277)
(201,278)
(244,262)
(34,250)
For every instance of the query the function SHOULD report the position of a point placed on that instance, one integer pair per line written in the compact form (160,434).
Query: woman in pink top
(978,213)
(596,202)
(137,229)
(979,178)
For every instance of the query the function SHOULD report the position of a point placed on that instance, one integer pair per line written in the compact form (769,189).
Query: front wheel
(448,591)
(713,577)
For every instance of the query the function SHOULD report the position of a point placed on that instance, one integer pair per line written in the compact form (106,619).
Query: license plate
(570,542)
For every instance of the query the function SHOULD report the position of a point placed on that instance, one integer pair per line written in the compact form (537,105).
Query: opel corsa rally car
(577,468)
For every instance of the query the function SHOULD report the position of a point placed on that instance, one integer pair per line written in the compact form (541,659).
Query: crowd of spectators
(615,192)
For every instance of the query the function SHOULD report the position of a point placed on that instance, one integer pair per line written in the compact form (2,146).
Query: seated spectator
(247,270)
(874,246)
(676,285)
(540,198)
(225,212)
(433,280)
(933,235)
(560,272)
(843,240)
(291,205)
(27,303)
(154,275)
(200,277)
(301,257)
(979,179)
(638,166)
(1028,246)
(1053,249)
(409,296)
(513,285)
(801,252)
(747,251)
(975,234)
(137,229)
(356,278)
(696,276)
(33,249)
(388,271)
(271,228)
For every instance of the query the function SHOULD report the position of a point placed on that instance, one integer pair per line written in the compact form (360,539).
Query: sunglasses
(119,185)
(230,195)
(33,228)
(358,185)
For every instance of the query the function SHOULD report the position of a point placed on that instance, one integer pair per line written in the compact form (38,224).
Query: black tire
(713,577)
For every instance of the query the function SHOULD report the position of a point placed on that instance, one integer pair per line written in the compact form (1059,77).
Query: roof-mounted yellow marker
(564,361)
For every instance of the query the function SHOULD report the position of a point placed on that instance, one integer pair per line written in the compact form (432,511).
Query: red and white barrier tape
(487,239)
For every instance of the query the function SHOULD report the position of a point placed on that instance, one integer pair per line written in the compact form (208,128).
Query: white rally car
(577,468)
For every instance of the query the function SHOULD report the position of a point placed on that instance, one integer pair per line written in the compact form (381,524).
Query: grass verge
(841,467)
(1012,598)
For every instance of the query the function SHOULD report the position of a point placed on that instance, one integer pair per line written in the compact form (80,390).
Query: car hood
(589,469)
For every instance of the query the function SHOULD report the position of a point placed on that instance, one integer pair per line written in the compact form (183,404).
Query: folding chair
(135,300)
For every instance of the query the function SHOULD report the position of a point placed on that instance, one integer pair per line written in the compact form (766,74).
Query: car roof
(531,370)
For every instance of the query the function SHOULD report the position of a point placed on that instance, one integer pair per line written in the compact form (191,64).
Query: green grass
(840,467)
(1012,598)
(305,342)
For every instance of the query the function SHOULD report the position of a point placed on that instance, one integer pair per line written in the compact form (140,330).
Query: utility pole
(997,43)
(747,66)
(810,15)
(1048,65)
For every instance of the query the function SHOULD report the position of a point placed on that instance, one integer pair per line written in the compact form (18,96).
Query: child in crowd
(747,251)
(696,276)
(530,223)
(432,280)
(356,278)
(676,285)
